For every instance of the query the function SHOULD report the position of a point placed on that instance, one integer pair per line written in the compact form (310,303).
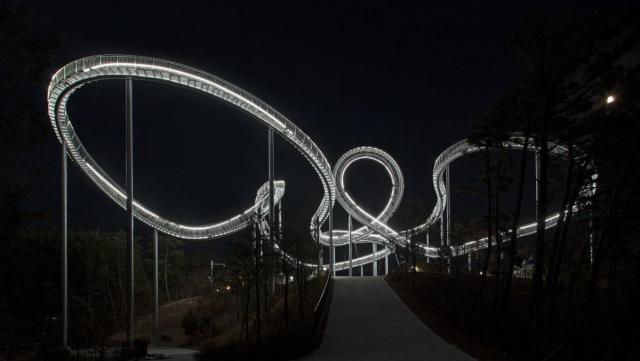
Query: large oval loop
(94,68)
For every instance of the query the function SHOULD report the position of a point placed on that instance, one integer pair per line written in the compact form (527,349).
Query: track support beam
(155,333)
(64,247)
(332,251)
(375,261)
(350,248)
(130,221)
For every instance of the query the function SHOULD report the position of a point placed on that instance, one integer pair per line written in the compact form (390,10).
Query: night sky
(407,79)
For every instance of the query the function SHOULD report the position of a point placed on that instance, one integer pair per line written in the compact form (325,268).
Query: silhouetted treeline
(585,284)
(30,288)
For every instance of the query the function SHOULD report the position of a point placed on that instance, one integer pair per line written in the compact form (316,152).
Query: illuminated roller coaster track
(375,229)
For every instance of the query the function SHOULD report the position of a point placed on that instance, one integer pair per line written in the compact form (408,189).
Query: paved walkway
(368,321)
(172,353)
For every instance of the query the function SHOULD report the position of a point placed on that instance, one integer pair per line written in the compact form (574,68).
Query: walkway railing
(321,310)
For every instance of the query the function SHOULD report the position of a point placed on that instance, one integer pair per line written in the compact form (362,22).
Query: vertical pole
(450,261)
(469,262)
(275,259)
(386,263)
(442,239)
(375,261)
(271,186)
(272,215)
(427,242)
(537,176)
(317,231)
(590,237)
(448,206)
(350,246)
(130,245)
(64,248)
(593,193)
(332,251)
(280,218)
(155,334)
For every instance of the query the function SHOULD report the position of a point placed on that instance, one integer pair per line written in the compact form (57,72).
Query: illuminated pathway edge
(375,229)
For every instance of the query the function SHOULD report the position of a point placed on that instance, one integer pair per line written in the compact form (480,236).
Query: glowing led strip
(76,74)
(192,76)
(375,224)
(74,77)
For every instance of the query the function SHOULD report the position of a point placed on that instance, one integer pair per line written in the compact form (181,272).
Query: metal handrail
(321,310)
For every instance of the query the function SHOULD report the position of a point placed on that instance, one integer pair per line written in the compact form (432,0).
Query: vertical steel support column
(350,246)
(537,176)
(448,206)
(593,193)
(332,251)
(317,232)
(130,223)
(469,262)
(386,263)
(64,247)
(427,241)
(450,262)
(375,261)
(271,187)
(272,215)
(442,239)
(275,259)
(590,237)
(280,219)
(537,179)
(155,333)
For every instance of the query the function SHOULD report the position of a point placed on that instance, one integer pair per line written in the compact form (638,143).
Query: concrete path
(171,353)
(368,321)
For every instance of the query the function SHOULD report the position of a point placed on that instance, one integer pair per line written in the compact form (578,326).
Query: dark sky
(405,78)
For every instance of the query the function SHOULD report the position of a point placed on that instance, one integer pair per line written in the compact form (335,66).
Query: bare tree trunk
(285,270)
(246,308)
(166,270)
(257,250)
(267,296)
(300,289)
(406,261)
(572,191)
(498,235)
(109,293)
(487,258)
(541,211)
(516,220)
(413,263)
